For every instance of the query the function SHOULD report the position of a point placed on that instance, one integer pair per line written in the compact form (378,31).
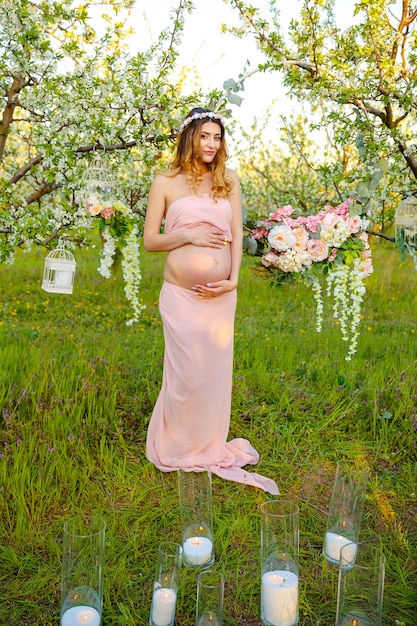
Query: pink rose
(107,213)
(354,223)
(301,237)
(269,259)
(330,220)
(281,237)
(318,249)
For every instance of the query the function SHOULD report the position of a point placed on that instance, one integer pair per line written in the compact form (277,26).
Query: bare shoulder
(159,191)
(232,174)
(160,182)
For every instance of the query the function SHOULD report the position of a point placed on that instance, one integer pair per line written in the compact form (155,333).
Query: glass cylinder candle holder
(345,511)
(361,586)
(164,596)
(210,597)
(82,571)
(279,563)
(195,499)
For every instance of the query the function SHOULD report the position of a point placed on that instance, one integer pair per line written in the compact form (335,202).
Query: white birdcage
(59,270)
(406,221)
(97,183)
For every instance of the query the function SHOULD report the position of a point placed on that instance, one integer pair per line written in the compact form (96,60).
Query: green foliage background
(77,389)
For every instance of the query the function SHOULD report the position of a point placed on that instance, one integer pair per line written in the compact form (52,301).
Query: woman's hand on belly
(211,290)
(206,235)
(194,267)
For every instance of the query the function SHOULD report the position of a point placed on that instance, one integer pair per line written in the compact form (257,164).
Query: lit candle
(356,620)
(208,619)
(198,550)
(163,606)
(334,543)
(279,598)
(63,278)
(77,615)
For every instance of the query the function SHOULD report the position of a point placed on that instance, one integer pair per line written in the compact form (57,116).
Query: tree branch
(228,91)
(123,145)
(19,82)
(410,160)
(42,191)
(25,169)
(384,236)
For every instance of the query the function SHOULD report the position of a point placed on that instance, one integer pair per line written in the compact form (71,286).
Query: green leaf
(250,245)
(360,145)
(230,84)
(232,98)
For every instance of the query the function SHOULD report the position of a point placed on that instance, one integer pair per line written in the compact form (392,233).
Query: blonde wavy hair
(187,151)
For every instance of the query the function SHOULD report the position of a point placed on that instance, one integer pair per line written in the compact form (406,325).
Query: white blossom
(131,273)
(345,283)
(109,250)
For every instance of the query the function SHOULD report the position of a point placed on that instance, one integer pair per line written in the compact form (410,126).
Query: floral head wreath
(201,116)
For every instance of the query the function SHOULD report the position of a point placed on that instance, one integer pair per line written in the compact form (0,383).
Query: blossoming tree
(72,91)
(360,79)
(359,82)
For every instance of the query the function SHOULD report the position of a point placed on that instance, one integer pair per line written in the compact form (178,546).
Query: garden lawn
(77,387)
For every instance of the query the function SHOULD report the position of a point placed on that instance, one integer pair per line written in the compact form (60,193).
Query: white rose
(281,237)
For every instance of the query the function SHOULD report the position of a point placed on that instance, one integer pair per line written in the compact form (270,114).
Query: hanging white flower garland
(345,283)
(132,274)
(109,251)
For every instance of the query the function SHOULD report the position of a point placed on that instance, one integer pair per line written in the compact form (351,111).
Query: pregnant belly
(191,265)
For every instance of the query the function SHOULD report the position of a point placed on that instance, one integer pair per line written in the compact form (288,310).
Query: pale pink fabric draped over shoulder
(190,422)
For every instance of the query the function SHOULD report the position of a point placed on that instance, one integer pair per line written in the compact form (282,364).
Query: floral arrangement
(119,232)
(201,116)
(331,243)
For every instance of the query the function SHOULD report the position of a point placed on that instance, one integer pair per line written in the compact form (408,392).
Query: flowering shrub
(333,243)
(120,232)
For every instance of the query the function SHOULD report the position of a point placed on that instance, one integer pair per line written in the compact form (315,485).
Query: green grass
(77,387)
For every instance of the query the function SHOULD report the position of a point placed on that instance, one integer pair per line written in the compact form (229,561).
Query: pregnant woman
(198,202)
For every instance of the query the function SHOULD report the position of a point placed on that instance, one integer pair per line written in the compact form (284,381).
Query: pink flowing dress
(190,421)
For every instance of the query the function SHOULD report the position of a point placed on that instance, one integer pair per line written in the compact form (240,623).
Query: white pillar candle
(63,278)
(334,543)
(279,598)
(197,550)
(208,619)
(78,615)
(163,606)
